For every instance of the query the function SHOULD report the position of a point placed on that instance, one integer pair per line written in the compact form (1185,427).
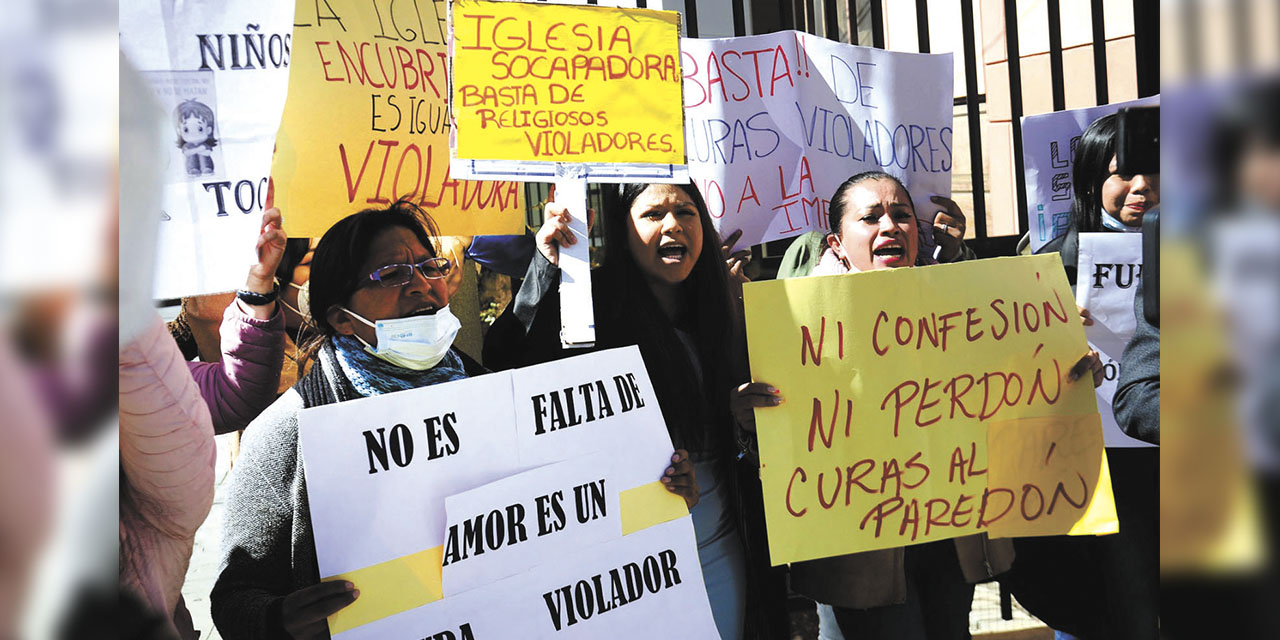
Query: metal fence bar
(1099,52)
(1015,110)
(1146,44)
(974,118)
(691,18)
(877,24)
(832,26)
(1242,34)
(810,20)
(922,25)
(854,37)
(1055,56)
(739,18)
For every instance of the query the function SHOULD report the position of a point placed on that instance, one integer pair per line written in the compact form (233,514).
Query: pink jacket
(167,459)
(245,382)
(27,483)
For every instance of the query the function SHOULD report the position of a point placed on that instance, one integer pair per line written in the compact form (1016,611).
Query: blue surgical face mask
(1110,222)
(416,342)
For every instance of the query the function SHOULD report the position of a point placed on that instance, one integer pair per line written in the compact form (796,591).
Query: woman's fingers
(1099,370)
(758,394)
(304,610)
(1085,316)
(309,595)
(681,479)
(557,211)
(325,607)
(747,397)
(1091,362)
(731,240)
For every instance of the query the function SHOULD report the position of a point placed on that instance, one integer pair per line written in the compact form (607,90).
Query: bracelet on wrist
(258,299)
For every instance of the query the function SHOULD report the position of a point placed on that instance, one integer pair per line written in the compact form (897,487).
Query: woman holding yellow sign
(921,592)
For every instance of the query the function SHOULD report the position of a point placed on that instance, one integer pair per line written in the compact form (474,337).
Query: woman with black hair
(379,305)
(663,287)
(1104,586)
(919,592)
(1102,199)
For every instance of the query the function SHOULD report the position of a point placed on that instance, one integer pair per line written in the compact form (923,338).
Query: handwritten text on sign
(774,123)
(909,392)
(367,121)
(566,83)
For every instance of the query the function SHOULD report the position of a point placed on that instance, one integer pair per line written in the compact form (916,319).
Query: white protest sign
(611,403)
(220,72)
(514,524)
(1048,146)
(775,122)
(1109,267)
(644,585)
(379,469)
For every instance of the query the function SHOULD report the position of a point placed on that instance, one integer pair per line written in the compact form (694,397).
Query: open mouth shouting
(672,253)
(889,252)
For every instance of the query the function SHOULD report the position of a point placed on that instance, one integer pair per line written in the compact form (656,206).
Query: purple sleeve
(244,383)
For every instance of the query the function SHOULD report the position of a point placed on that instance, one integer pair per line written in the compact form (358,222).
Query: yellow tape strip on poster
(648,505)
(389,588)
(912,396)
(414,580)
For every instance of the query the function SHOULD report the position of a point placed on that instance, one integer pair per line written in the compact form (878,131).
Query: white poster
(219,71)
(775,122)
(514,524)
(381,470)
(644,585)
(1109,267)
(1048,146)
(378,469)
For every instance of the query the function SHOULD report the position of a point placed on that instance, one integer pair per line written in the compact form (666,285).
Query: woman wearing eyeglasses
(380,306)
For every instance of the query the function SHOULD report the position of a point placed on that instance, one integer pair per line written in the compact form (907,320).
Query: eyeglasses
(398,275)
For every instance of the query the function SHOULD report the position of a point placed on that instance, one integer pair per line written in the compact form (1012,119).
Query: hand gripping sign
(522,503)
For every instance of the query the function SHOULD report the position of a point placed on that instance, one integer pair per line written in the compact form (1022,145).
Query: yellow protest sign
(367,121)
(924,404)
(581,84)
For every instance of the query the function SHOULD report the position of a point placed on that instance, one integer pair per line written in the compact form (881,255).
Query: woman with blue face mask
(380,308)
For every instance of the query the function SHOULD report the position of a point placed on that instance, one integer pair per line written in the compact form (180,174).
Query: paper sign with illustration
(1048,146)
(647,584)
(379,469)
(923,404)
(367,122)
(1110,266)
(775,122)
(561,83)
(220,72)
